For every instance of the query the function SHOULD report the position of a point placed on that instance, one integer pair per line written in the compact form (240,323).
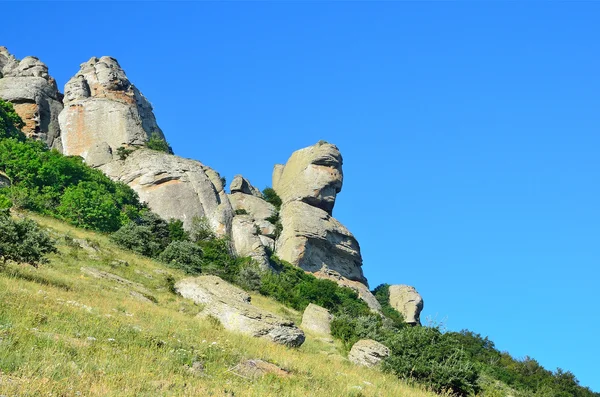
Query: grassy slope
(66,333)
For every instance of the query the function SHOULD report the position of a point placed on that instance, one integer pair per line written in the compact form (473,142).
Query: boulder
(312,175)
(408,302)
(175,187)
(242,185)
(315,241)
(256,368)
(102,106)
(247,242)
(316,319)
(368,353)
(4,180)
(232,307)
(256,207)
(34,95)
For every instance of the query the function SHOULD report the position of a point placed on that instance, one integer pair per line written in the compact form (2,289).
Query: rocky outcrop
(368,353)
(408,302)
(311,238)
(242,185)
(34,95)
(232,307)
(4,180)
(361,289)
(316,319)
(252,233)
(103,107)
(175,187)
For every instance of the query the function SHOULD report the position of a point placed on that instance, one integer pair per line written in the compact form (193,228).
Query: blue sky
(469,130)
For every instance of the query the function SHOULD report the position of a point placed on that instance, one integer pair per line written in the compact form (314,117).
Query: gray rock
(256,207)
(361,289)
(408,302)
(99,154)
(175,187)
(34,95)
(256,368)
(231,306)
(368,353)
(242,185)
(102,106)
(4,180)
(247,241)
(316,319)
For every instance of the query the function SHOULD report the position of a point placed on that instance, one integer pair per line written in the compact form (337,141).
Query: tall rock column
(103,112)
(34,95)
(312,238)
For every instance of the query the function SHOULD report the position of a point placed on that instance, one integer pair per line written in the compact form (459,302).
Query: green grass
(64,332)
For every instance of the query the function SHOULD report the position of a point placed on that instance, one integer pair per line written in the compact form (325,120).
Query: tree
(23,241)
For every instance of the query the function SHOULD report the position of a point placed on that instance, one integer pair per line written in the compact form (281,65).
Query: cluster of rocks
(106,120)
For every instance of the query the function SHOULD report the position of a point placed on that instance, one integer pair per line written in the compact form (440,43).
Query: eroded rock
(317,319)
(4,180)
(242,185)
(408,302)
(368,353)
(34,95)
(232,307)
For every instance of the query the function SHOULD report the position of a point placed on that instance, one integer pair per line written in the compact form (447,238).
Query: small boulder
(256,368)
(368,353)
(4,180)
(242,185)
(231,306)
(317,319)
(406,300)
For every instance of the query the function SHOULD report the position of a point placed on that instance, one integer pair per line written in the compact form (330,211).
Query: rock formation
(408,302)
(104,111)
(4,180)
(175,187)
(242,185)
(316,319)
(34,95)
(368,353)
(231,306)
(312,239)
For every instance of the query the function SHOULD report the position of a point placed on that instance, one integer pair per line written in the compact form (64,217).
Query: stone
(174,187)
(258,208)
(256,368)
(368,353)
(315,241)
(312,175)
(406,300)
(247,242)
(102,106)
(99,154)
(232,307)
(34,95)
(316,319)
(361,289)
(242,185)
(4,180)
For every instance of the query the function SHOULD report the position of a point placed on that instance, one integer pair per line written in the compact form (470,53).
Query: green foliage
(123,152)
(183,255)
(427,355)
(176,231)
(89,205)
(218,259)
(201,230)
(10,122)
(294,287)
(382,293)
(249,275)
(276,221)
(272,197)
(138,239)
(23,241)
(241,212)
(5,202)
(158,143)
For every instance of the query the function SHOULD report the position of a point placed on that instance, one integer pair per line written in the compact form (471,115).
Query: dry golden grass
(66,333)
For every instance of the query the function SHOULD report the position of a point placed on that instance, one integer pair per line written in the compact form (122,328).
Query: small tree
(183,255)
(158,143)
(23,241)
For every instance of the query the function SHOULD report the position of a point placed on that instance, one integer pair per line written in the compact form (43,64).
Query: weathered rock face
(34,95)
(317,319)
(408,302)
(311,238)
(232,307)
(242,185)
(175,187)
(102,106)
(4,180)
(312,175)
(368,353)
(247,242)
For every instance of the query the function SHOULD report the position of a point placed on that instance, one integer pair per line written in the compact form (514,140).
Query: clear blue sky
(470,134)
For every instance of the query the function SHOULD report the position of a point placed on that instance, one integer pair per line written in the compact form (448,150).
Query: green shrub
(10,122)
(176,231)
(272,197)
(123,152)
(137,238)
(241,212)
(249,275)
(158,143)
(90,206)
(23,241)
(218,259)
(183,255)
(382,294)
(201,230)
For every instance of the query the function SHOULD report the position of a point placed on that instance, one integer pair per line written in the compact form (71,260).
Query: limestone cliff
(34,95)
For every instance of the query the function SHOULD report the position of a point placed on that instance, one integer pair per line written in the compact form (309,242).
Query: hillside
(64,332)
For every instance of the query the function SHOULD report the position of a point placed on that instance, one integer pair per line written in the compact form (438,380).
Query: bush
(241,212)
(218,259)
(23,241)
(272,197)
(137,238)
(90,206)
(382,293)
(183,255)
(158,143)
(249,275)
(10,122)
